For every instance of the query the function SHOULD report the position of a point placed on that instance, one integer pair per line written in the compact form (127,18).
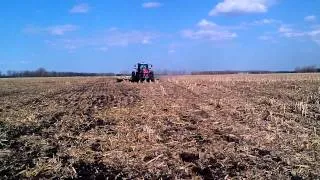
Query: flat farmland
(181,127)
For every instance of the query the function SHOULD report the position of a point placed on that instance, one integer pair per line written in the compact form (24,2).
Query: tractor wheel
(134,77)
(151,76)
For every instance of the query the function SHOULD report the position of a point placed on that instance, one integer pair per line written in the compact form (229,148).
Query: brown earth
(182,127)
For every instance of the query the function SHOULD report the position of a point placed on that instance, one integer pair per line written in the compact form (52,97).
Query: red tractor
(143,73)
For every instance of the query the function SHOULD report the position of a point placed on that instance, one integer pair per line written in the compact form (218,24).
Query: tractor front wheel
(134,77)
(151,76)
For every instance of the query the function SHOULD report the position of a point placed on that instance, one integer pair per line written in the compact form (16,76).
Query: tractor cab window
(143,66)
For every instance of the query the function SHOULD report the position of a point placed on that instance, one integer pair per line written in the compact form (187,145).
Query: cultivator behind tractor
(143,73)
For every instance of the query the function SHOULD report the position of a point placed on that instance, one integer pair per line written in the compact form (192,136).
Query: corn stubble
(183,127)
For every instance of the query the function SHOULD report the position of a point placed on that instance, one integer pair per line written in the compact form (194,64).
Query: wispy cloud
(233,7)
(268,37)
(212,35)
(14,62)
(266,22)
(289,32)
(311,18)
(260,22)
(170,51)
(207,30)
(151,5)
(315,35)
(80,8)
(61,29)
(53,30)
(102,42)
(285,29)
(124,38)
(206,24)
(173,47)
(265,38)
(24,62)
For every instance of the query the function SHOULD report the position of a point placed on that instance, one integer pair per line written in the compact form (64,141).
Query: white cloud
(266,21)
(120,38)
(80,8)
(314,33)
(146,41)
(268,37)
(289,32)
(315,36)
(151,5)
(311,18)
(113,29)
(53,30)
(260,22)
(265,38)
(241,7)
(24,62)
(172,48)
(171,51)
(208,30)
(294,34)
(61,29)
(206,24)
(211,35)
(103,42)
(285,29)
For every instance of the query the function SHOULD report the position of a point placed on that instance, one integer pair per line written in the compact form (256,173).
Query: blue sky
(104,36)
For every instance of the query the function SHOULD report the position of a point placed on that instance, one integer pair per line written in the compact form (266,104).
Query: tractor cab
(143,73)
(141,67)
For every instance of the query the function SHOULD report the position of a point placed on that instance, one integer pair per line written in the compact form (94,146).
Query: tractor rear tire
(151,76)
(134,77)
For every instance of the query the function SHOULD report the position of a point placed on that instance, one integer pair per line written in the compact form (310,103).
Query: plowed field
(181,127)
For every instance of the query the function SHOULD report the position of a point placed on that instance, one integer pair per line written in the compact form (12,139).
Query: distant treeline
(41,72)
(305,69)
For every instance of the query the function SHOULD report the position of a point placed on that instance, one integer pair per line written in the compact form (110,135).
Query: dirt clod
(189,157)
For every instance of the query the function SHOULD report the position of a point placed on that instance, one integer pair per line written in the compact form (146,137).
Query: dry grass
(185,127)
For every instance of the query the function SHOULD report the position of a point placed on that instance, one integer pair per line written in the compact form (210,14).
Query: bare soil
(181,127)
